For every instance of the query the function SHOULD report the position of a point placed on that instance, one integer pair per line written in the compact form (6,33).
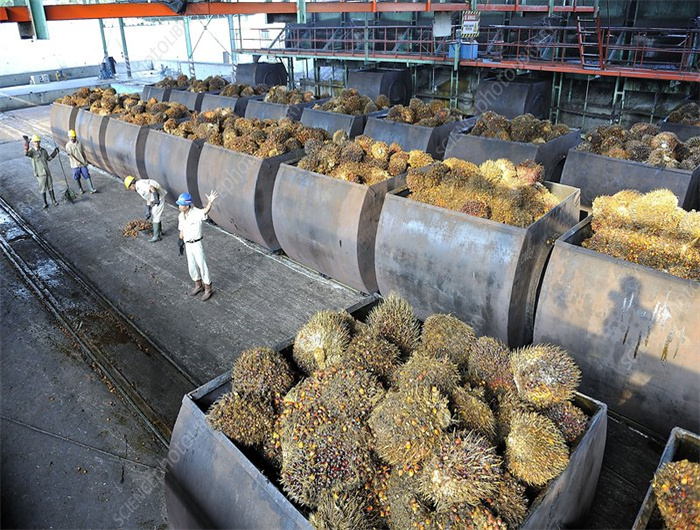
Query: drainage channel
(144,375)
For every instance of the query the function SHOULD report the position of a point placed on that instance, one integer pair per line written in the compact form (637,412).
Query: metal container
(483,272)
(513,98)
(333,121)
(397,85)
(212,483)
(191,100)
(432,140)
(152,91)
(681,445)
(264,110)
(173,161)
(478,149)
(683,131)
(238,104)
(330,225)
(245,184)
(126,146)
(598,175)
(62,120)
(91,129)
(632,330)
(271,74)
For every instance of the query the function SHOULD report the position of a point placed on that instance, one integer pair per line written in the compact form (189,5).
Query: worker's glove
(181,245)
(54,152)
(147,212)
(156,198)
(26,141)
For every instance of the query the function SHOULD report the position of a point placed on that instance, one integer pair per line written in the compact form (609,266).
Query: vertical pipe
(104,39)
(232,37)
(188,43)
(301,11)
(124,48)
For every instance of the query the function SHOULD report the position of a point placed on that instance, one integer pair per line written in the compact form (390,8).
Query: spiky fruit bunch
(472,412)
(263,372)
(322,339)
(427,370)
(465,517)
(489,365)
(613,211)
(403,504)
(447,335)
(408,425)
(535,449)
(246,419)
(339,511)
(394,320)
(509,502)
(524,128)
(280,94)
(433,114)
(688,113)
(544,375)
(373,353)
(569,419)
(656,212)
(677,490)
(351,102)
(507,405)
(466,468)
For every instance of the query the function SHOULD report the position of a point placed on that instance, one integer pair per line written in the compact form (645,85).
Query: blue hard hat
(185,199)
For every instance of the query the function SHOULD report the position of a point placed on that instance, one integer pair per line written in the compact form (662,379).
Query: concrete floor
(58,418)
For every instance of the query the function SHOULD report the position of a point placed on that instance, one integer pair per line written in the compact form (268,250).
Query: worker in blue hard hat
(78,162)
(190,226)
(154,195)
(40,164)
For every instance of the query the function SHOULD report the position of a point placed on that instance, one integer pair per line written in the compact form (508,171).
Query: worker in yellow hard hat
(154,195)
(78,162)
(40,164)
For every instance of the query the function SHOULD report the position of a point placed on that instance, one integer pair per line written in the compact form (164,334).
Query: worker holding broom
(40,164)
(78,162)
(190,226)
(154,195)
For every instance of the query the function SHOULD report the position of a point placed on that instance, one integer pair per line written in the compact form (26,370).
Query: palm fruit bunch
(181,81)
(262,372)
(472,412)
(242,90)
(649,229)
(246,419)
(677,491)
(417,112)
(362,160)
(321,341)
(210,84)
(447,335)
(117,104)
(395,321)
(490,366)
(497,189)
(339,511)
(687,114)
(280,94)
(85,96)
(351,102)
(509,502)
(524,128)
(152,112)
(423,369)
(643,143)
(467,517)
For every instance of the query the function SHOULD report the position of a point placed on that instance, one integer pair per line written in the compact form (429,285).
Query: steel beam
(124,48)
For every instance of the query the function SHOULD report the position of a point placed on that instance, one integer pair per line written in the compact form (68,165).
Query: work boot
(207,292)
(91,188)
(198,288)
(53,198)
(156,233)
(43,196)
(80,186)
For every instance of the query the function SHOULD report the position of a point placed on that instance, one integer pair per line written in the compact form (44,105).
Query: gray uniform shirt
(76,154)
(40,161)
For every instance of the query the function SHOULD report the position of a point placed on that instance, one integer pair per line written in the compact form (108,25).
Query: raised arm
(210,201)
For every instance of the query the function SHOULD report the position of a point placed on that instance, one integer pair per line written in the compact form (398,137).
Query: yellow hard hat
(128,181)
(36,138)
(71,134)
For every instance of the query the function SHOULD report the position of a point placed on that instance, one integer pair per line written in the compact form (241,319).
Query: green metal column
(232,36)
(188,43)
(104,39)
(38,19)
(301,11)
(124,48)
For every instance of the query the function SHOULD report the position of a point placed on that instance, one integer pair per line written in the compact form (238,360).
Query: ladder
(590,42)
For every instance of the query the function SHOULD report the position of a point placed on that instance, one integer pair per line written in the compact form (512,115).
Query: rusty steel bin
(62,120)
(152,91)
(264,110)
(478,149)
(245,184)
(597,175)
(172,161)
(191,100)
(633,331)
(483,272)
(126,145)
(91,129)
(681,445)
(683,131)
(330,225)
(334,121)
(432,140)
(212,482)
(214,101)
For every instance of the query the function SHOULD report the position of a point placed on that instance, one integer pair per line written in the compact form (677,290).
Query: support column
(188,43)
(232,37)
(104,39)
(124,48)
(301,11)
